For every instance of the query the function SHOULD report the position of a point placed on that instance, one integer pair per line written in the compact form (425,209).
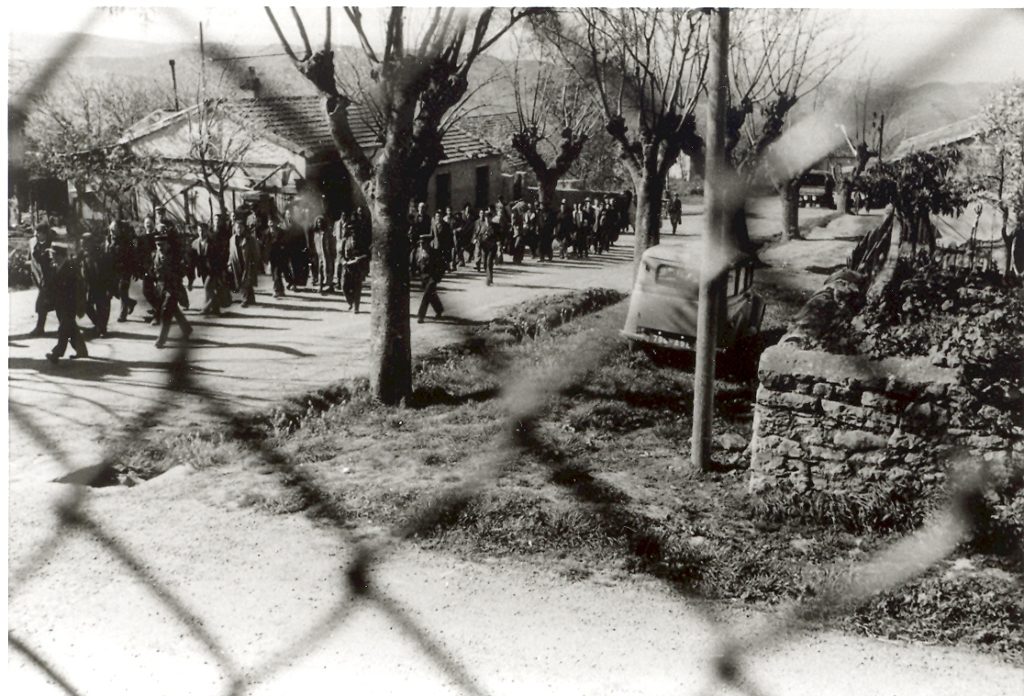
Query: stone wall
(845,422)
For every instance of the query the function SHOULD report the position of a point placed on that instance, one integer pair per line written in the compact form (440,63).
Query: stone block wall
(845,422)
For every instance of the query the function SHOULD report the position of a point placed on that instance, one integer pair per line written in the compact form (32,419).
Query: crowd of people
(82,276)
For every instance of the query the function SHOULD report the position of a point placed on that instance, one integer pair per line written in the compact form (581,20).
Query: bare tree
(415,84)
(554,119)
(647,66)
(218,142)
(779,57)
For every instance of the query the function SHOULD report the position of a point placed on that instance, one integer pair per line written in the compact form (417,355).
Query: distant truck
(816,188)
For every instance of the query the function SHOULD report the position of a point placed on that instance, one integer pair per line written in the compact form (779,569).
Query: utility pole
(174,85)
(716,205)
(881,133)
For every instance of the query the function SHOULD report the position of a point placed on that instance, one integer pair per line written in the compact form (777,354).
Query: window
(483,187)
(442,191)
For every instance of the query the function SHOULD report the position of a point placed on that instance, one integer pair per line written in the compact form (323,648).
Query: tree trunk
(649,189)
(789,195)
(841,194)
(390,337)
(546,187)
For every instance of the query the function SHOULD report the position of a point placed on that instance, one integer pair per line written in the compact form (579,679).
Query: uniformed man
(431,269)
(68,302)
(485,238)
(675,212)
(98,271)
(354,262)
(171,295)
(278,256)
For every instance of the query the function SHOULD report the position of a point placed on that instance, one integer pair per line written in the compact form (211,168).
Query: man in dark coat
(68,303)
(431,269)
(464,228)
(40,251)
(280,266)
(168,272)
(675,212)
(121,245)
(354,262)
(98,271)
(485,237)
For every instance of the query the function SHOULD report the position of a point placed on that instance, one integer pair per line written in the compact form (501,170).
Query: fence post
(716,220)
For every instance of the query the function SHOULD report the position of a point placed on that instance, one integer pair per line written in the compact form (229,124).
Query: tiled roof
(946,135)
(298,124)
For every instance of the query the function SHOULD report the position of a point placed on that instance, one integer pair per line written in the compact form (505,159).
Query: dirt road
(256,356)
(256,583)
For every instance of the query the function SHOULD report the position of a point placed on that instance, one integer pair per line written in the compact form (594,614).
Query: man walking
(431,270)
(675,212)
(278,255)
(353,260)
(68,303)
(98,271)
(121,246)
(168,272)
(41,255)
(486,240)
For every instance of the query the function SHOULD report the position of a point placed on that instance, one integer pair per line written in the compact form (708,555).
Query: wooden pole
(716,221)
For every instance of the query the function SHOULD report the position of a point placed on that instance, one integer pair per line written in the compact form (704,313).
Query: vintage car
(663,306)
(817,188)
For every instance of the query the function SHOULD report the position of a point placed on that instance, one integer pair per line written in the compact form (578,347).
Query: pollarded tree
(778,57)
(647,66)
(415,83)
(554,120)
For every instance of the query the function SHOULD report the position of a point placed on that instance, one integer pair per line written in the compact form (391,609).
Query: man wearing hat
(40,251)
(68,302)
(431,269)
(353,260)
(486,239)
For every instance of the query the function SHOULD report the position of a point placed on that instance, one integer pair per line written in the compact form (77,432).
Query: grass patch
(608,486)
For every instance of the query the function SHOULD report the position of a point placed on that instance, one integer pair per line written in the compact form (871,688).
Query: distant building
(964,134)
(292,154)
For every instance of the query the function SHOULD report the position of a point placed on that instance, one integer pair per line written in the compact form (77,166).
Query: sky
(921,44)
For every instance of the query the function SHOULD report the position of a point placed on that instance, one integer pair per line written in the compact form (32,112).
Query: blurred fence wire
(525,400)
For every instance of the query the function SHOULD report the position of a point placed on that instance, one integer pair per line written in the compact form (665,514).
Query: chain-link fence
(525,401)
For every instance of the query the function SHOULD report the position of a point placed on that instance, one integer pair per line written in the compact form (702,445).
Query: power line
(258,55)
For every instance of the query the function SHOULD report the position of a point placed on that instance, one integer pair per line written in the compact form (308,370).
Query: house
(289,153)
(964,134)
